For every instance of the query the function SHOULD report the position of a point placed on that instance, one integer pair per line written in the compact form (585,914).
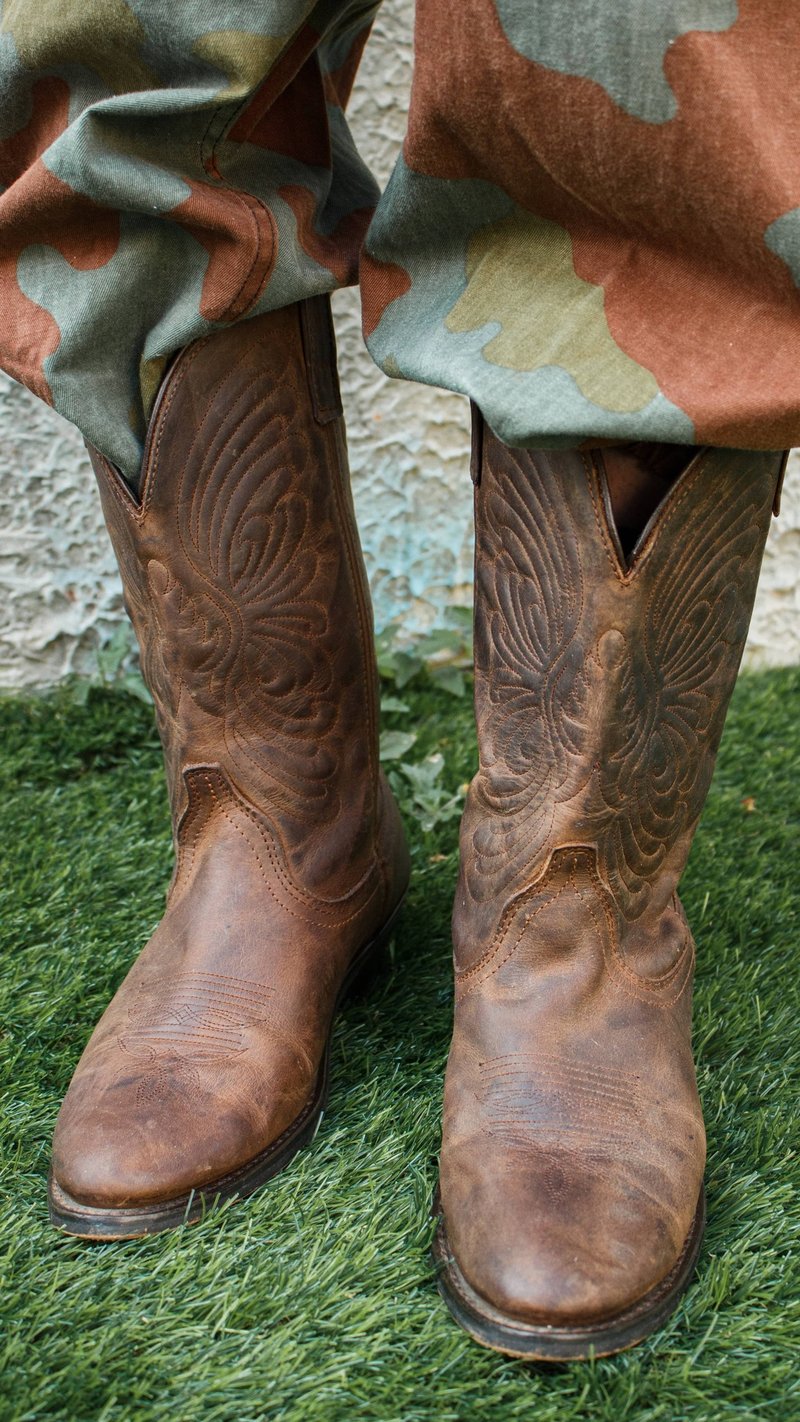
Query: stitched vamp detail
(548,1103)
(199,1017)
(570,914)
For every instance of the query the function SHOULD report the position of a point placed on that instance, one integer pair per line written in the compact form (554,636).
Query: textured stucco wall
(59,592)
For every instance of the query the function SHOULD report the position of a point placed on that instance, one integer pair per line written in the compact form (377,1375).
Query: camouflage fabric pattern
(593,229)
(167,169)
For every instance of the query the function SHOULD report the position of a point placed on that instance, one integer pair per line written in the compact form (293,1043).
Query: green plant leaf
(134,684)
(406,666)
(394,704)
(394,744)
(460,617)
(424,774)
(450,679)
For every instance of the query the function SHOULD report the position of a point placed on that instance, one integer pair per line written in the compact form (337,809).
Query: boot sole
(132,1222)
(543,1343)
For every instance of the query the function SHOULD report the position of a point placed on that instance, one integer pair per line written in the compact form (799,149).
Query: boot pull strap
(319,346)
(776,503)
(476,457)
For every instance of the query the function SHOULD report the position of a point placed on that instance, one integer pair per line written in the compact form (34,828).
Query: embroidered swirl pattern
(602,691)
(237,580)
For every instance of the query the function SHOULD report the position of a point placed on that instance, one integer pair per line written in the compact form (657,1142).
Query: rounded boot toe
(119,1148)
(559,1263)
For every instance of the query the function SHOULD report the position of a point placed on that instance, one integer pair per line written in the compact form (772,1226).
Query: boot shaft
(244,580)
(601,684)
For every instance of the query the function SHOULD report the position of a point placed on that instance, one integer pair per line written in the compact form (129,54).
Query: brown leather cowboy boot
(573,1151)
(243,577)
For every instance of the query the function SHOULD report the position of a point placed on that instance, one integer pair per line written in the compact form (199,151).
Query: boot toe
(566,1258)
(140,1141)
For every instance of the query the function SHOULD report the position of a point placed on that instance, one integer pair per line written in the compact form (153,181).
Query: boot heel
(375,961)
(376,966)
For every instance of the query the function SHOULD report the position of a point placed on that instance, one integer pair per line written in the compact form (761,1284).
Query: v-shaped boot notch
(635,481)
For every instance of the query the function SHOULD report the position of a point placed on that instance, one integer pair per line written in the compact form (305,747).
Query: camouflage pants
(593,229)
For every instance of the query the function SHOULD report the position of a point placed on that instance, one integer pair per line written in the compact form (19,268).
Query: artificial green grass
(315,1299)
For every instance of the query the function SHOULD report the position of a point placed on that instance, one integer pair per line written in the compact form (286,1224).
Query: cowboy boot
(573,1147)
(244,580)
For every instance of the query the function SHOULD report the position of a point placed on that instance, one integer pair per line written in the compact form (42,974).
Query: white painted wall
(59,591)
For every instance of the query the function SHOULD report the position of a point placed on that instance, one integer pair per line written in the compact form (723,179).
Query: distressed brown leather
(573,1150)
(244,579)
